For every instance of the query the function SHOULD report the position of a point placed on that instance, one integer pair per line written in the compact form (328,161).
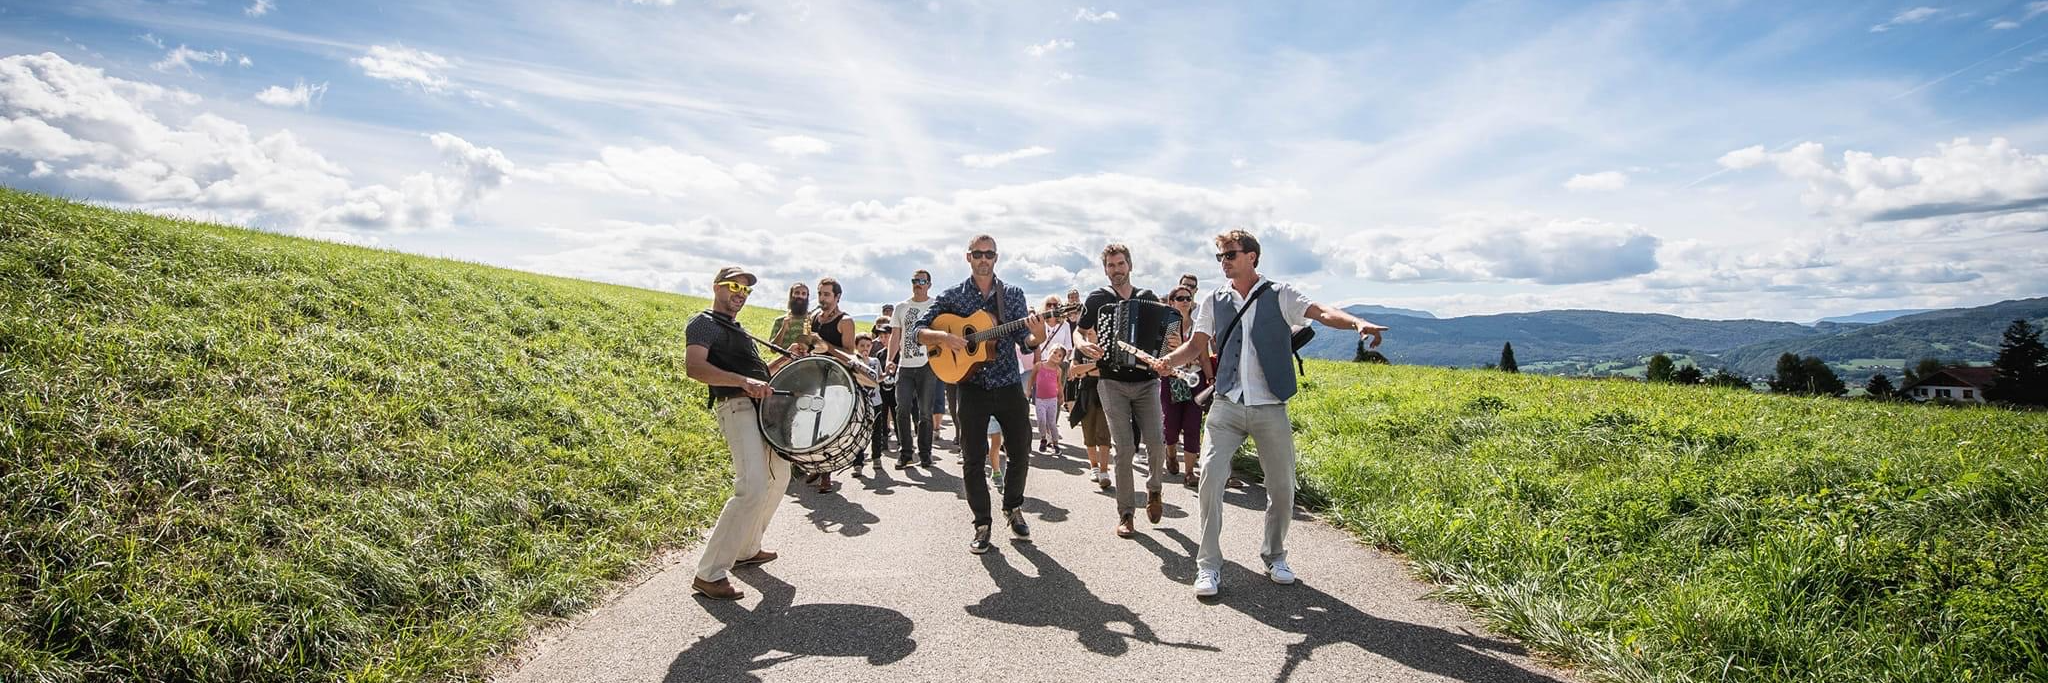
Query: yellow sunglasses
(735,287)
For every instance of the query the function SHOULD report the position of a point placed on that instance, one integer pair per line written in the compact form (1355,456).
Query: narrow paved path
(875,583)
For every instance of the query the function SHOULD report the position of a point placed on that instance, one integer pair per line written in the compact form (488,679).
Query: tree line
(2021,369)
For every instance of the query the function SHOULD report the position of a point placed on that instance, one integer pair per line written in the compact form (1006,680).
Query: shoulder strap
(1224,340)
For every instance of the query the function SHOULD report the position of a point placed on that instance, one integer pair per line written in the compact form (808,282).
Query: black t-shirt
(730,349)
(1091,312)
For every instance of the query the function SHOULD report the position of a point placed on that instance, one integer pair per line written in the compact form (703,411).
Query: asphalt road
(875,583)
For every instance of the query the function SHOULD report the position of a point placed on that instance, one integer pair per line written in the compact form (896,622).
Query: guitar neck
(1003,329)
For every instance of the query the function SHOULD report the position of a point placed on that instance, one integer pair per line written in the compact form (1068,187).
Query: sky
(1771,160)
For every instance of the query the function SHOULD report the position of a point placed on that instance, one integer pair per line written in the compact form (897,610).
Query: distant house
(1958,383)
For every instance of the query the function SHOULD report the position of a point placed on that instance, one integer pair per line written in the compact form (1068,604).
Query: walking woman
(1183,413)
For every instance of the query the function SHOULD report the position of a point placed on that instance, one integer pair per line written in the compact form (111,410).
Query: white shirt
(1058,336)
(1251,377)
(907,314)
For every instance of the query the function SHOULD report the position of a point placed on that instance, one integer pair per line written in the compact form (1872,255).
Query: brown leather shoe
(763,557)
(1153,507)
(1124,528)
(717,590)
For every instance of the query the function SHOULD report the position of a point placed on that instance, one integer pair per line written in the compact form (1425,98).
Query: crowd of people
(1050,369)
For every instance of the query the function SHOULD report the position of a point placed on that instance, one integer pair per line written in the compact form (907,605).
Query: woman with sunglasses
(1183,412)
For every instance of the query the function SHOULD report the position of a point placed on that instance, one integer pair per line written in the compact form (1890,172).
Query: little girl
(1048,382)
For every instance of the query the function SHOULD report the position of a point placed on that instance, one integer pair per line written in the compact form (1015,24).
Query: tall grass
(1665,533)
(227,455)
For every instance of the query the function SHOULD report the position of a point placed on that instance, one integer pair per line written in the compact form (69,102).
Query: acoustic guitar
(979,329)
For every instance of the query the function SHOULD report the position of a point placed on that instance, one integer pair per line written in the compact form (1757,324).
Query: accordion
(1135,323)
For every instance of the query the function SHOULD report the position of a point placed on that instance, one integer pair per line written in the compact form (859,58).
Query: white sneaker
(1280,573)
(1206,583)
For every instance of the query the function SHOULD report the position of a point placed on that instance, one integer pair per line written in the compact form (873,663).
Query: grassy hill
(229,455)
(1667,533)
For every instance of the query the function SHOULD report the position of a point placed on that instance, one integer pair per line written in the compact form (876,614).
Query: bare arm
(697,364)
(1338,319)
(1194,349)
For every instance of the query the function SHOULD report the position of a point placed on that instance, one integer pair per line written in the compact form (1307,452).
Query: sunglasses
(984,254)
(1182,299)
(920,281)
(735,287)
(1228,255)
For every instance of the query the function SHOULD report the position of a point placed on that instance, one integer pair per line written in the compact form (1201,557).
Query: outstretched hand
(1371,334)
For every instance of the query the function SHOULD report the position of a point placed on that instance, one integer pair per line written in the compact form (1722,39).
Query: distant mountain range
(1602,342)
(1872,317)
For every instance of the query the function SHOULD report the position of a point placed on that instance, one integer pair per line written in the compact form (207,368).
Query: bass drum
(817,417)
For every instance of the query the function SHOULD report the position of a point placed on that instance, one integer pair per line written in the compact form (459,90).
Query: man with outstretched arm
(992,390)
(720,355)
(1248,324)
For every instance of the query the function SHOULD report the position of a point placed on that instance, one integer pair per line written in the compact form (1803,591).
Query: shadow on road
(831,512)
(735,652)
(1058,598)
(1324,619)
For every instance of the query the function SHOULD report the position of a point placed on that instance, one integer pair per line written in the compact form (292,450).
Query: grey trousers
(1230,423)
(1120,402)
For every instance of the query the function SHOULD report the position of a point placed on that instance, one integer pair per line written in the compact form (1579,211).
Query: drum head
(821,403)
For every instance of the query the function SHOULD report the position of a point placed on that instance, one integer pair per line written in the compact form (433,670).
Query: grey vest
(1271,340)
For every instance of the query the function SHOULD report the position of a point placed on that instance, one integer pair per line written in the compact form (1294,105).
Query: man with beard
(993,390)
(1127,395)
(833,331)
(792,328)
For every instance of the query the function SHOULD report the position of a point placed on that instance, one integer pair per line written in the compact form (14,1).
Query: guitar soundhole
(968,332)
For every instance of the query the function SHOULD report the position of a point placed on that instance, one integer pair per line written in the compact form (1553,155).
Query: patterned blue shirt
(1000,370)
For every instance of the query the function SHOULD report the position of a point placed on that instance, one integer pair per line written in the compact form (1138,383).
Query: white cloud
(743,18)
(245,61)
(182,57)
(132,144)
(1604,181)
(994,160)
(405,66)
(1049,47)
(151,39)
(2035,9)
(2004,25)
(1745,157)
(299,95)
(1906,18)
(260,8)
(1088,14)
(1960,178)
(659,171)
(1503,247)
(799,145)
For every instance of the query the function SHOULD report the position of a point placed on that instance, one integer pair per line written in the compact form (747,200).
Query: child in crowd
(1048,382)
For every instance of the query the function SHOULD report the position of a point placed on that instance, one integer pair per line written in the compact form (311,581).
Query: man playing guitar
(992,389)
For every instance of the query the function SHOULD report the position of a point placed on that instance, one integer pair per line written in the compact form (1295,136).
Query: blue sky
(1711,159)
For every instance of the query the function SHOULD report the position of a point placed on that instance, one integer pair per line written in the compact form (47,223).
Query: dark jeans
(1007,406)
(916,391)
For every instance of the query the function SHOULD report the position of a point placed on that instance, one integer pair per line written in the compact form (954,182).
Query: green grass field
(1656,532)
(227,455)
